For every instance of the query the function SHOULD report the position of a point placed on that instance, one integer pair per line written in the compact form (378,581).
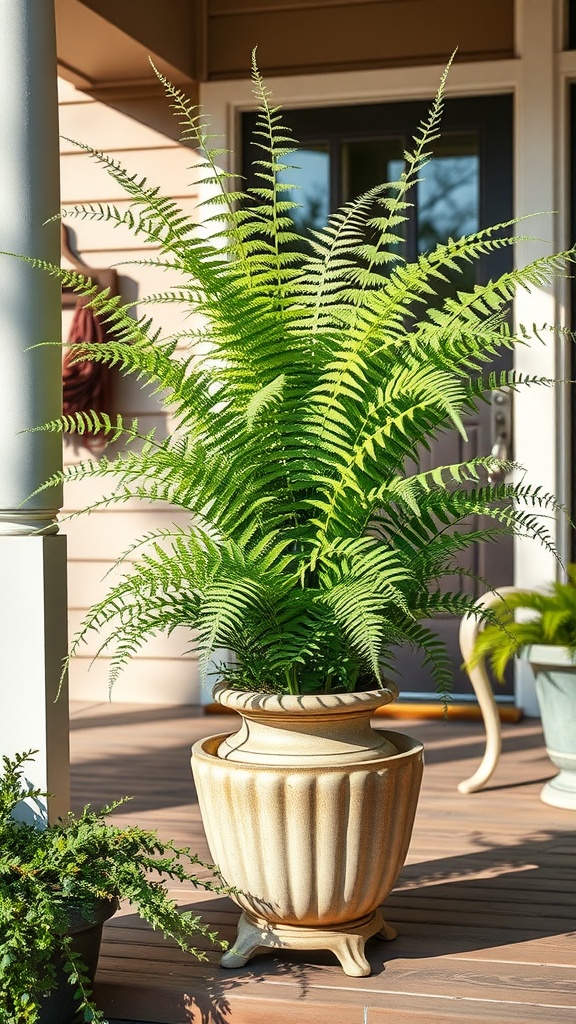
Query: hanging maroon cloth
(86,384)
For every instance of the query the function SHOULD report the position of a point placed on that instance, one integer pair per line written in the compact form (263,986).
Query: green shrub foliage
(75,865)
(305,381)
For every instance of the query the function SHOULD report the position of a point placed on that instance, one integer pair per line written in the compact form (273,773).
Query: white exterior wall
(163,673)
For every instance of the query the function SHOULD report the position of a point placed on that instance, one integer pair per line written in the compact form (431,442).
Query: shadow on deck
(485,906)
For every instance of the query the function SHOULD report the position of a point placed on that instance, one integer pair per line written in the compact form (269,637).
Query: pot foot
(251,936)
(387,932)
(347,942)
(350,952)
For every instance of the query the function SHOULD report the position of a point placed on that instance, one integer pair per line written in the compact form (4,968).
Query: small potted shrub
(546,638)
(318,370)
(57,887)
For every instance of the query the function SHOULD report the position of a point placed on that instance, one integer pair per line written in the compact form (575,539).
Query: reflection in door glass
(311,176)
(366,164)
(448,197)
(369,163)
(448,203)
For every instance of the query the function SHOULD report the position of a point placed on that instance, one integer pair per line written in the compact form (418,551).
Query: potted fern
(321,368)
(546,638)
(57,887)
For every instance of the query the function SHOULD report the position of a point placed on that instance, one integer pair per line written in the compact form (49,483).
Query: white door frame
(538,77)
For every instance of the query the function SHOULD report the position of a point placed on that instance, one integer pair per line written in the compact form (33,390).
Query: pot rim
(409,748)
(84,914)
(542,655)
(305,704)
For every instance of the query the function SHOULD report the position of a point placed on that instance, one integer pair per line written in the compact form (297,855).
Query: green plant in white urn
(322,369)
(545,636)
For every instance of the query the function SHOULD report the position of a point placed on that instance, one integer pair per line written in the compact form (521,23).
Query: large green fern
(310,551)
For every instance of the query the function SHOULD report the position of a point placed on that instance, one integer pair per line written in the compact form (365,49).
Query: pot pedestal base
(561,791)
(347,943)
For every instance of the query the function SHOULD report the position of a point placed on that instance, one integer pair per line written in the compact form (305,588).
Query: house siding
(165,671)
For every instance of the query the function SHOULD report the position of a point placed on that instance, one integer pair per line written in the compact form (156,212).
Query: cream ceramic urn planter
(308,813)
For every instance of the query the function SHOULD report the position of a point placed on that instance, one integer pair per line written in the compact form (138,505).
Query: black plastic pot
(60,1007)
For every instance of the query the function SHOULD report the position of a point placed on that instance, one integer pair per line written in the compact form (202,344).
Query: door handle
(501,431)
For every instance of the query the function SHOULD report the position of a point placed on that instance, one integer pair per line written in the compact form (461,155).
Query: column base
(33,615)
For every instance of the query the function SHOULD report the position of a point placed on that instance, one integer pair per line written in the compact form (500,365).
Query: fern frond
(315,379)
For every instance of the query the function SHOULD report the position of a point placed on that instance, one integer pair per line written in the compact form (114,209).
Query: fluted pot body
(307,810)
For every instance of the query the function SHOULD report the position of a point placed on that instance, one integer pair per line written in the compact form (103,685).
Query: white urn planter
(308,813)
(555,677)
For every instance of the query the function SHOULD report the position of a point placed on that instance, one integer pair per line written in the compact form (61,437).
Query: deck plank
(485,906)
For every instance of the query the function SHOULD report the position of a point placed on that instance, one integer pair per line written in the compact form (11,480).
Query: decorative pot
(60,1006)
(555,677)
(308,813)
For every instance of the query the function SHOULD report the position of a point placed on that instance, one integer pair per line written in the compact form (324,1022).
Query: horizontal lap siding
(166,670)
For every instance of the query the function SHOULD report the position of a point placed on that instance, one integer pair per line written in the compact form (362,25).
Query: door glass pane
(448,197)
(311,177)
(448,202)
(369,163)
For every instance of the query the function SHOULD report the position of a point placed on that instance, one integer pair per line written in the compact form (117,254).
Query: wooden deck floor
(485,907)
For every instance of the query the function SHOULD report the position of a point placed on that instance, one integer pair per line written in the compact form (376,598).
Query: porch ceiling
(103,48)
(105,45)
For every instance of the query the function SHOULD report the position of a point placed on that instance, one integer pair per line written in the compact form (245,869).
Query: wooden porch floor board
(486,905)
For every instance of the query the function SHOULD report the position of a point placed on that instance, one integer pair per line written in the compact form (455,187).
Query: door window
(310,176)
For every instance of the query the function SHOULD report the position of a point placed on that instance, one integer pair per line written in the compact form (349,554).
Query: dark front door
(467,185)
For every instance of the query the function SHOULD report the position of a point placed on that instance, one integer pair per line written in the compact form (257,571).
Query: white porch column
(32,566)
(536,418)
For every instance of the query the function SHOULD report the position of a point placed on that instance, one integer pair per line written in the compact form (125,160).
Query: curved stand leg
(347,943)
(250,937)
(469,629)
(350,951)
(387,932)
